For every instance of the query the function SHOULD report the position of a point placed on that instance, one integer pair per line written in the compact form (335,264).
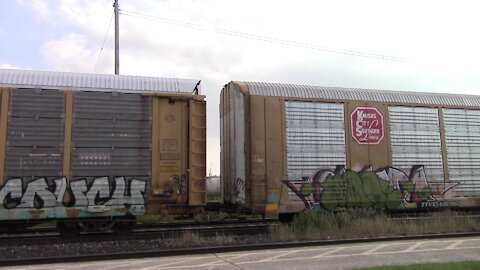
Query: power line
(260,37)
(103,43)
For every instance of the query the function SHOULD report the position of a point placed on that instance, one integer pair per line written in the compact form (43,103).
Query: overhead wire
(245,35)
(103,43)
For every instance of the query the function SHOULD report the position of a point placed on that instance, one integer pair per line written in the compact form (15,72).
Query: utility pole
(117,41)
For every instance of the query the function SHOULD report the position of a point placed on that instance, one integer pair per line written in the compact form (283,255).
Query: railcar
(286,148)
(94,151)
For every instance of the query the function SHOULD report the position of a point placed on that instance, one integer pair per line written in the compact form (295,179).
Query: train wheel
(68,228)
(124,225)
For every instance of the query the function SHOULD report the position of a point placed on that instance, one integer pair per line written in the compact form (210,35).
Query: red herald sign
(367,125)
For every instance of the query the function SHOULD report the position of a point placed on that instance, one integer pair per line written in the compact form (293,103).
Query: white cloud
(41,7)
(8,66)
(69,54)
(436,37)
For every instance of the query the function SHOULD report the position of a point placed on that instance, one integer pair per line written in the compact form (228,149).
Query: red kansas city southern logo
(367,125)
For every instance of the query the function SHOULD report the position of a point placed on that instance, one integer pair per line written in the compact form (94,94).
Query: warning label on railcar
(367,125)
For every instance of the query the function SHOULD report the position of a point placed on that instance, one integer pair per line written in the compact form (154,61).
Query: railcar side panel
(335,149)
(233,147)
(90,154)
(258,151)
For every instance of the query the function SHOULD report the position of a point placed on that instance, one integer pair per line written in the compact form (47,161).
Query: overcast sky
(434,45)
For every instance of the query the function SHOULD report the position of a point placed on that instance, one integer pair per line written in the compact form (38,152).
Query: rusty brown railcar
(286,148)
(90,147)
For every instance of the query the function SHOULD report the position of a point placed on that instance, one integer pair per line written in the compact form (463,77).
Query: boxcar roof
(94,82)
(339,93)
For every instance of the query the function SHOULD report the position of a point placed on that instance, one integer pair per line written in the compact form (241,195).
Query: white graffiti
(239,190)
(39,194)
(38,188)
(137,188)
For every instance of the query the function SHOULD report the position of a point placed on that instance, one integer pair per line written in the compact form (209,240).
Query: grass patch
(188,239)
(430,266)
(312,225)
(193,239)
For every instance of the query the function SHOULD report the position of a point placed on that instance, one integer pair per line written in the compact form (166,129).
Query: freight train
(94,151)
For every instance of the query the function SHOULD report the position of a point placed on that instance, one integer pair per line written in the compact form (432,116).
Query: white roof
(339,93)
(94,82)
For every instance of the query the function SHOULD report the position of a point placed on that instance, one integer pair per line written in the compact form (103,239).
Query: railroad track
(144,235)
(144,231)
(218,249)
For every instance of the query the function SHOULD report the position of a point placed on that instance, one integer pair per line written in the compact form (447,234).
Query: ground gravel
(78,246)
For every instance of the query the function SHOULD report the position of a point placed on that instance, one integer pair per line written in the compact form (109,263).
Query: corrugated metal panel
(35,134)
(91,105)
(31,163)
(462,135)
(97,162)
(93,82)
(121,122)
(36,103)
(338,93)
(111,133)
(415,139)
(315,137)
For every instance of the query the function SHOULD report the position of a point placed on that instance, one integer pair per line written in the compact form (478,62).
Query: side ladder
(197,154)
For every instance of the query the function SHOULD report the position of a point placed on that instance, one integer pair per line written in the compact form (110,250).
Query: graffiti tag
(388,188)
(41,193)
